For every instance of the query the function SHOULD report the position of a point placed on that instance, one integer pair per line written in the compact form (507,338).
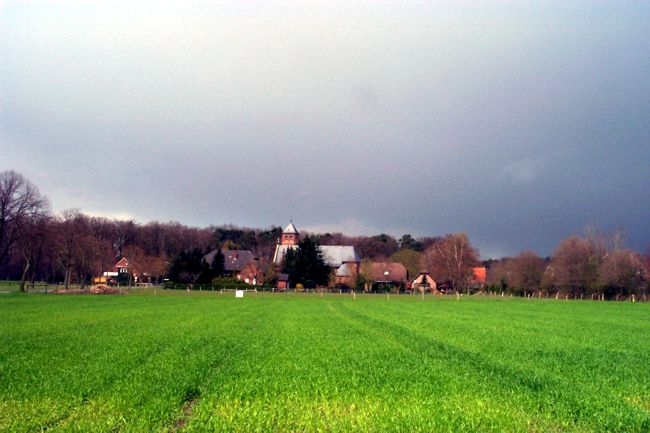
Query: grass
(179,362)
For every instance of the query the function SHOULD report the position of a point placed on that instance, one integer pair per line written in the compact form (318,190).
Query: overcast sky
(519,122)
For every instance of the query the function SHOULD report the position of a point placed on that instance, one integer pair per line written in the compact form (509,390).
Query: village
(346,270)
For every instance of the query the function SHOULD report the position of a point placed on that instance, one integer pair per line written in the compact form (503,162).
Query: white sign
(239,294)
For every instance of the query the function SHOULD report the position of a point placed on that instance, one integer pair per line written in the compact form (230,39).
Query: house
(423,282)
(379,275)
(283,281)
(479,276)
(122,272)
(335,256)
(239,264)
(392,274)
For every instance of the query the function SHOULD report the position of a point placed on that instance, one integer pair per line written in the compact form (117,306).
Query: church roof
(334,255)
(346,270)
(290,229)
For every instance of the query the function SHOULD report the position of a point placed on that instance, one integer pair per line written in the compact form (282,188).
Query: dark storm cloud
(519,123)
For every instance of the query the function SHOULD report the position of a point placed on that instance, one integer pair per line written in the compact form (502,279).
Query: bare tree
(20,201)
(451,259)
(34,240)
(123,235)
(576,264)
(527,271)
(499,274)
(623,271)
(72,228)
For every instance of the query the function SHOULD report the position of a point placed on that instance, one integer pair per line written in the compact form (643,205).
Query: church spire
(290,235)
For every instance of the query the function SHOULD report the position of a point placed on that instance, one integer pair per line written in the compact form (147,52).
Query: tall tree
(623,272)
(72,228)
(305,264)
(527,271)
(410,259)
(20,202)
(218,263)
(379,246)
(576,265)
(188,266)
(407,242)
(452,259)
(33,241)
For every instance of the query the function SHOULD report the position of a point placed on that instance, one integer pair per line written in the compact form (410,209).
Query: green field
(201,362)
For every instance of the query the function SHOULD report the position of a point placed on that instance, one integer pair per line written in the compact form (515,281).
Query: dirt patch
(188,407)
(93,290)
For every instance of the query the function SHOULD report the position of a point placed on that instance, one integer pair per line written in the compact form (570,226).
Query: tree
(70,230)
(305,264)
(526,271)
(499,274)
(382,245)
(576,265)
(34,240)
(364,278)
(623,272)
(218,263)
(124,233)
(20,203)
(452,259)
(407,242)
(410,259)
(188,266)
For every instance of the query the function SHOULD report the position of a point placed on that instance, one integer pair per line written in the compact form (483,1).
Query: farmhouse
(378,274)
(240,264)
(424,283)
(122,272)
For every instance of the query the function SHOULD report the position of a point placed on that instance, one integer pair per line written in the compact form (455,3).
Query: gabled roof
(393,271)
(121,264)
(346,270)
(290,229)
(233,260)
(424,279)
(334,255)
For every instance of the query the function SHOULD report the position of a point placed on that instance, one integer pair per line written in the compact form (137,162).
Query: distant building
(424,282)
(479,276)
(381,275)
(283,281)
(239,264)
(392,273)
(335,256)
(122,272)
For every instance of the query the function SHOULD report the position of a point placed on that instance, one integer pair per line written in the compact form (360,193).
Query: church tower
(290,235)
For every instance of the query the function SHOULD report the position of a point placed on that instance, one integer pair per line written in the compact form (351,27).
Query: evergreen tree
(217,265)
(305,264)
(188,266)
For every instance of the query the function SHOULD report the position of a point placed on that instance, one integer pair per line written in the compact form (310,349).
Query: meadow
(202,362)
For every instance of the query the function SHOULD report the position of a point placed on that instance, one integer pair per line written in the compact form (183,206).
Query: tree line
(593,264)
(37,245)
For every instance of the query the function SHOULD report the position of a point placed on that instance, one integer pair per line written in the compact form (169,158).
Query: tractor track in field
(180,423)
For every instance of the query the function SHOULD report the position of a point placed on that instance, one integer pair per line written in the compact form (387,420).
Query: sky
(518,122)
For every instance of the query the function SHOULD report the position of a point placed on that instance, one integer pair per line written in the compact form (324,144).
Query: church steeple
(290,235)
